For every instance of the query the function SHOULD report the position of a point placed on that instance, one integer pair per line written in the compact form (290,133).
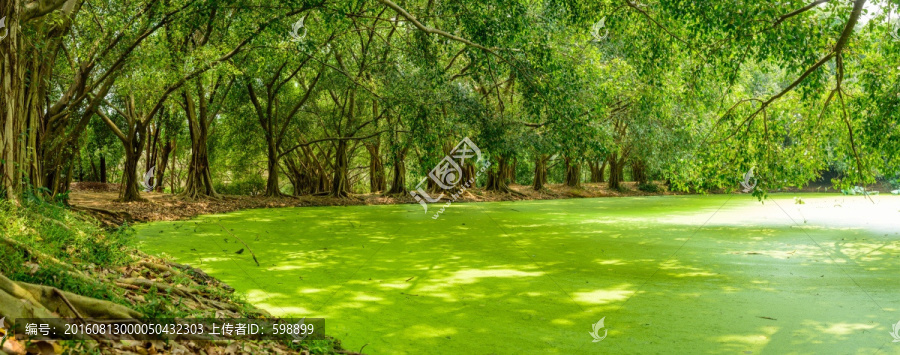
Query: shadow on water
(696,274)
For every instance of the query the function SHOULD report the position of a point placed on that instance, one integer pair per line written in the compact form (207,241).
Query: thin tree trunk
(597,170)
(377,182)
(602,174)
(103,169)
(398,184)
(614,175)
(164,163)
(340,184)
(94,173)
(573,172)
(272,186)
(129,191)
(173,181)
(620,169)
(638,171)
(496,179)
(540,172)
(199,179)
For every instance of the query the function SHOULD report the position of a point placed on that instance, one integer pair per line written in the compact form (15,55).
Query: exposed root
(148,284)
(108,218)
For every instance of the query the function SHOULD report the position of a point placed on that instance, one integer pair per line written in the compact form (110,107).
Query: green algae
(685,274)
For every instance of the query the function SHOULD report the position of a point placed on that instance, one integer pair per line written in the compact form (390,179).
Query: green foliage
(649,187)
(67,237)
(696,92)
(252,185)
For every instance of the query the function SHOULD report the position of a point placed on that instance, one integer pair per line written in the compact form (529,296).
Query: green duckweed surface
(720,274)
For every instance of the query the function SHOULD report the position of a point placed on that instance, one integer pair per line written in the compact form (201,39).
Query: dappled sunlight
(602,296)
(470,276)
(780,254)
(754,340)
(541,272)
(684,270)
(843,328)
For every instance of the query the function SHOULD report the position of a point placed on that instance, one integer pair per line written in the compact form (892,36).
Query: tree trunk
(540,172)
(468,171)
(573,172)
(174,179)
(272,187)
(299,172)
(153,152)
(512,171)
(323,183)
(621,169)
(638,171)
(597,170)
(614,176)
(36,139)
(496,179)
(103,169)
(129,191)
(398,184)
(164,163)
(377,182)
(199,178)
(12,111)
(602,174)
(94,172)
(339,184)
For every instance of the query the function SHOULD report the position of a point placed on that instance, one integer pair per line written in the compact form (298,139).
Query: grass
(677,274)
(65,236)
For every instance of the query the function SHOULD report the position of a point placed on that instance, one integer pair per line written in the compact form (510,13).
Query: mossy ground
(49,255)
(674,274)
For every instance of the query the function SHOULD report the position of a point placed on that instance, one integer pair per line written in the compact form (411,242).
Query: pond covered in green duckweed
(677,274)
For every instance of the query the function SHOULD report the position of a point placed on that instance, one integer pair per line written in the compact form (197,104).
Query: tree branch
(38,8)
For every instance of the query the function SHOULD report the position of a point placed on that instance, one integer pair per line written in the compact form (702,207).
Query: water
(675,274)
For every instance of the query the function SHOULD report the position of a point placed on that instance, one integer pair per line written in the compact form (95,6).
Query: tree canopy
(367,96)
